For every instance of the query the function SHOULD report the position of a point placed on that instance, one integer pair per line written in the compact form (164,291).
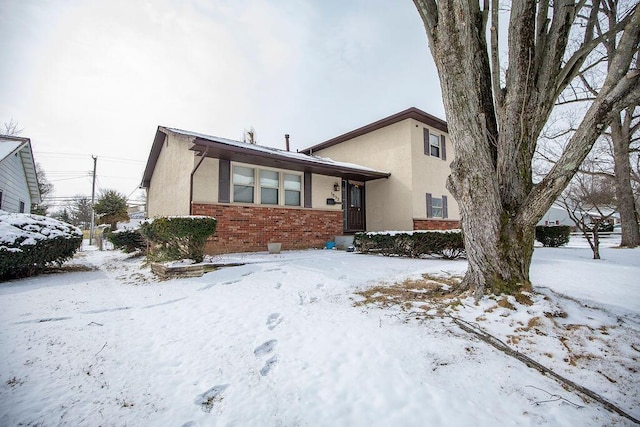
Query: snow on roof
(275,151)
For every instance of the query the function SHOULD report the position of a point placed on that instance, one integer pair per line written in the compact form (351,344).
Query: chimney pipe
(286,141)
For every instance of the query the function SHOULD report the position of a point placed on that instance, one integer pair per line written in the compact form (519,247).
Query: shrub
(29,243)
(129,240)
(446,244)
(176,238)
(553,236)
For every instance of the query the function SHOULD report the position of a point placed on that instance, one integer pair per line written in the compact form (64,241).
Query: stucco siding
(322,189)
(430,173)
(388,201)
(13,184)
(169,189)
(205,181)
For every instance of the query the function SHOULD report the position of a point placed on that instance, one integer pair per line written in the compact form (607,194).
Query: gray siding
(13,184)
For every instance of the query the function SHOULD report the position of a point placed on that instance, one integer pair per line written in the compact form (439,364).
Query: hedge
(446,244)
(175,238)
(30,243)
(129,240)
(553,236)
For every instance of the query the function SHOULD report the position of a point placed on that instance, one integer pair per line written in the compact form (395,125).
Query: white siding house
(18,179)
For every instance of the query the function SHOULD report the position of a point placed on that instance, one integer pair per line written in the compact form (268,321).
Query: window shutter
(445,212)
(443,148)
(224,181)
(307,189)
(429,209)
(426,141)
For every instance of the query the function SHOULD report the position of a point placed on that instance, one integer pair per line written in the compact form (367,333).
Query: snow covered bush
(180,237)
(129,240)
(447,244)
(29,243)
(553,236)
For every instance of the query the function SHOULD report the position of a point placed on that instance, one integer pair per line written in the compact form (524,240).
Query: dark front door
(354,209)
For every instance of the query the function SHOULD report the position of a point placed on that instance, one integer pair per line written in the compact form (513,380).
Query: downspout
(193,172)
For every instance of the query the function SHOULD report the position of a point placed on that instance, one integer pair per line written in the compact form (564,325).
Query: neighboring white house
(556,215)
(18,179)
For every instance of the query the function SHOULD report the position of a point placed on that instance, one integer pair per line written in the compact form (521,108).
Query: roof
(228,149)
(10,145)
(410,113)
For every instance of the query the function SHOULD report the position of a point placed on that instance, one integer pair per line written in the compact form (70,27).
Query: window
(265,186)
(434,145)
(292,189)
(243,183)
(269,187)
(436,206)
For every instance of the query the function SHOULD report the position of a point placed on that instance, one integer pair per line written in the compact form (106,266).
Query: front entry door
(354,209)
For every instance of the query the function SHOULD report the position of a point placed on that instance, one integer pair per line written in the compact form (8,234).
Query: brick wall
(250,228)
(435,224)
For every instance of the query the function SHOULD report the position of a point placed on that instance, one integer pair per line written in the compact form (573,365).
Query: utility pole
(93,201)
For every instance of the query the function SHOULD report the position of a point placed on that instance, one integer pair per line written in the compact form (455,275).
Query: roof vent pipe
(286,141)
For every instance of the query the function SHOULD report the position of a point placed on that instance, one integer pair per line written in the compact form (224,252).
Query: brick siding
(435,224)
(250,228)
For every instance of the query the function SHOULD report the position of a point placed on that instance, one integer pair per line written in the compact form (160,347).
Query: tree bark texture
(495,130)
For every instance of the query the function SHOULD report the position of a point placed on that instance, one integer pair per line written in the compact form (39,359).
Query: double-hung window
(435,145)
(269,187)
(243,184)
(436,206)
(292,189)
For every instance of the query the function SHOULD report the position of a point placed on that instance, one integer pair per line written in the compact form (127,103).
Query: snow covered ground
(279,342)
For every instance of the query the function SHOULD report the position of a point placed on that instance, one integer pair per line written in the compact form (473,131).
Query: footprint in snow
(268,365)
(278,285)
(265,348)
(273,320)
(320,286)
(211,397)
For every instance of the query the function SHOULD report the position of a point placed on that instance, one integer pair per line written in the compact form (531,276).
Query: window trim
(233,184)
(444,207)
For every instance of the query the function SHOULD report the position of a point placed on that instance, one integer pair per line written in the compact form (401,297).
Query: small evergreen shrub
(128,240)
(553,236)
(446,244)
(29,243)
(174,238)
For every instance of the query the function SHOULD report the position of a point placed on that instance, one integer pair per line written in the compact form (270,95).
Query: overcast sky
(96,77)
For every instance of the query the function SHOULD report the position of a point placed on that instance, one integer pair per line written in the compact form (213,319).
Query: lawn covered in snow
(280,342)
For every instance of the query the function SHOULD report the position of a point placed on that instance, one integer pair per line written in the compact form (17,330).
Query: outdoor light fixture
(336,187)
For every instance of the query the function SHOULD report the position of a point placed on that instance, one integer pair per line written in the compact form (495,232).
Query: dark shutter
(445,212)
(427,150)
(429,209)
(224,181)
(443,147)
(307,189)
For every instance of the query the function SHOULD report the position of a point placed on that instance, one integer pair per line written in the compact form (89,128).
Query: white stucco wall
(169,189)
(13,184)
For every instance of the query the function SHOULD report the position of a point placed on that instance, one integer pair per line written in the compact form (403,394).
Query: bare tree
(495,122)
(10,128)
(590,201)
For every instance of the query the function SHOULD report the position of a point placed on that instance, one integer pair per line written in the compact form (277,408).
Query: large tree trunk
(494,130)
(621,138)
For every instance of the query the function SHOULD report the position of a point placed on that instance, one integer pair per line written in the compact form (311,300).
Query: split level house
(387,175)
(18,179)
